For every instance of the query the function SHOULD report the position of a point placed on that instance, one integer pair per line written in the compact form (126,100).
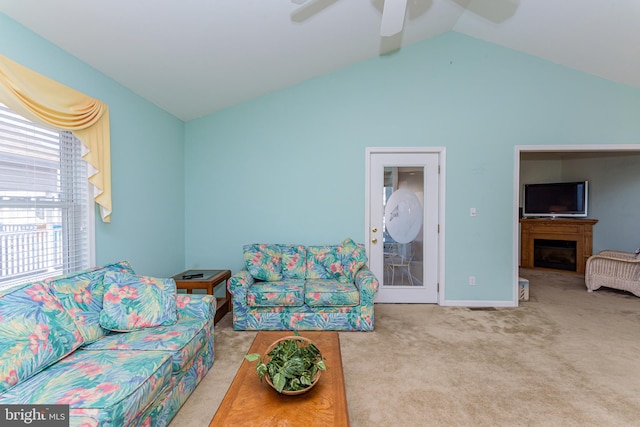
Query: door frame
(441,152)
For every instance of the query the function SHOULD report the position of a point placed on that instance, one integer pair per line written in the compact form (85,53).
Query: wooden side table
(208,280)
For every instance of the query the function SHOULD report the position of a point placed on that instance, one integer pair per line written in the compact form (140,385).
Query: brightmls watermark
(34,415)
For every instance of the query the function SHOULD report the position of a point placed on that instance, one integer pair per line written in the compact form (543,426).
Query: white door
(402,223)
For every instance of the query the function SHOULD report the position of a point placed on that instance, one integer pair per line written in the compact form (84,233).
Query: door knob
(374,240)
(375,230)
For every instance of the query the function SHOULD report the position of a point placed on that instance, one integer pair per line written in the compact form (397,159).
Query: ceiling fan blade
(393,17)
(309,8)
(496,11)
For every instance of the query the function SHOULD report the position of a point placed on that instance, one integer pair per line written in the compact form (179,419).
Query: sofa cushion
(134,302)
(332,262)
(276,294)
(294,261)
(264,262)
(196,306)
(183,340)
(35,332)
(81,295)
(330,293)
(315,261)
(115,387)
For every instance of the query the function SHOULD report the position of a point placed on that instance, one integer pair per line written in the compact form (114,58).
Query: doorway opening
(609,168)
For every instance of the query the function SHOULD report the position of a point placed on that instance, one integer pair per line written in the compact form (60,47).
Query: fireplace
(556,254)
(578,232)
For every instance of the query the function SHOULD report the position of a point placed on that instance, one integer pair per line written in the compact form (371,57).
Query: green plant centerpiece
(292,364)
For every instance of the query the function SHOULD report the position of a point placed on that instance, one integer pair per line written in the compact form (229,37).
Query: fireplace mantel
(577,230)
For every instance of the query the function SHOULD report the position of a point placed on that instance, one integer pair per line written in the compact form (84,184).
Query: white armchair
(614,269)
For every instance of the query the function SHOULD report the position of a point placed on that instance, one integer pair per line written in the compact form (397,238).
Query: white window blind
(45,225)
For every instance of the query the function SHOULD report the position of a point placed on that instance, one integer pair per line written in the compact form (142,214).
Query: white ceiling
(194,57)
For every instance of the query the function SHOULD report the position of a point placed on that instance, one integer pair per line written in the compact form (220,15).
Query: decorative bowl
(294,360)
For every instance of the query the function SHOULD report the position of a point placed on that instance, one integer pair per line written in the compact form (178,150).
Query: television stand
(578,232)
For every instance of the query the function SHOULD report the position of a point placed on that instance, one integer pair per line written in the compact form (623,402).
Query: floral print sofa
(293,287)
(119,349)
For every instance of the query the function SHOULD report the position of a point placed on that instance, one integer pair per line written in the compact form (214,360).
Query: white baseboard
(465,303)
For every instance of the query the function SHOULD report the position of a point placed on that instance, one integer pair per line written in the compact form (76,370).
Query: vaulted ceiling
(194,57)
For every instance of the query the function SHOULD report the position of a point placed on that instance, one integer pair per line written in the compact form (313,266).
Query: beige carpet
(564,358)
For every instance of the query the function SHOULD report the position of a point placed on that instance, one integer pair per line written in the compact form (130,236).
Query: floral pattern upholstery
(294,261)
(330,293)
(327,304)
(122,384)
(81,295)
(343,262)
(316,256)
(274,294)
(183,341)
(133,302)
(162,413)
(353,259)
(35,332)
(264,262)
(138,378)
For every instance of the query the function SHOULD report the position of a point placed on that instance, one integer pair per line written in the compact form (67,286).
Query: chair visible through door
(401,263)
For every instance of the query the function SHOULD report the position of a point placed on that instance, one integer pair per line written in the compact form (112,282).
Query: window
(46,228)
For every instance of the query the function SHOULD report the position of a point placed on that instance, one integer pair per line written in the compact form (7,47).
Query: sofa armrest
(237,285)
(368,284)
(616,256)
(196,306)
(239,280)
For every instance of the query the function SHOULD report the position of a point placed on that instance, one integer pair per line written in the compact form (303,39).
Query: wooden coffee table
(249,402)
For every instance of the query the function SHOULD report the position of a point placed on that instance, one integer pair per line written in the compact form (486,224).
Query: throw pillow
(638,253)
(352,264)
(135,302)
(81,295)
(344,261)
(316,255)
(264,262)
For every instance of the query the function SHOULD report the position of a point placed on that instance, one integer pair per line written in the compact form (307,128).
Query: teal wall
(147,159)
(614,198)
(289,167)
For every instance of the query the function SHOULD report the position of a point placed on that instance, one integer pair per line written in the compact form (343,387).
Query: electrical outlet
(472,280)
(473,212)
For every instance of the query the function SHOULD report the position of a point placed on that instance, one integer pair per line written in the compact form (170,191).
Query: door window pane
(403,199)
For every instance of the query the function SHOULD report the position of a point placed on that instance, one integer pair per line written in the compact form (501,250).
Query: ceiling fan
(393,14)
(394,11)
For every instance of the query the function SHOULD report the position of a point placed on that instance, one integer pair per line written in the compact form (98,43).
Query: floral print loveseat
(293,287)
(119,349)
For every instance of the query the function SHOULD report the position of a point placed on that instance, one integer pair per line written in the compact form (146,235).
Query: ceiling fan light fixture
(393,14)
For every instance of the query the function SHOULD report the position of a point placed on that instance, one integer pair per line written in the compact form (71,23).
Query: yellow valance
(46,101)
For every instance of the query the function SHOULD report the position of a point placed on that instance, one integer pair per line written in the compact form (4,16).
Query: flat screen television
(558,199)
